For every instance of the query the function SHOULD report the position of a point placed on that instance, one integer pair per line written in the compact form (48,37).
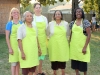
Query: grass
(93,66)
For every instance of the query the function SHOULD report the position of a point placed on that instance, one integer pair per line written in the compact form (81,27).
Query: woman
(93,22)
(40,22)
(27,42)
(11,39)
(58,47)
(79,44)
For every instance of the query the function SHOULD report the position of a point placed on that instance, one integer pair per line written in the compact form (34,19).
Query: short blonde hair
(10,17)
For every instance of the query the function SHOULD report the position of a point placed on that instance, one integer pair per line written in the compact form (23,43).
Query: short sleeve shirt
(39,19)
(50,28)
(85,23)
(21,32)
(9,25)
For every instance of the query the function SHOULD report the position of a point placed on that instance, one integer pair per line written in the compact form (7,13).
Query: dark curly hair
(83,16)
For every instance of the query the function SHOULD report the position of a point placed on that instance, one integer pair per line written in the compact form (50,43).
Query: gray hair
(24,15)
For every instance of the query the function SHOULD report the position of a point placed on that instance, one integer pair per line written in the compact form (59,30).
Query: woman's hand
(11,51)
(88,31)
(84,50)
(23,56)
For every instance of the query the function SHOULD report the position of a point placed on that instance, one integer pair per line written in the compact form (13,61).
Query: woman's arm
(8,42)
(21,33)
(21,49)
(88,31)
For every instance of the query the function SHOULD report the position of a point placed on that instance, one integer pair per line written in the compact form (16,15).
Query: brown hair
(36,4)
(55,13)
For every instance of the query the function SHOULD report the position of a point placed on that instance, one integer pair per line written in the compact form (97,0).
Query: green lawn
(93,66)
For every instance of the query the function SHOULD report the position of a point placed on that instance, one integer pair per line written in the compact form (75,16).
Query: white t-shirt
(39,19)
(50,28)
(93,19)
(21,32)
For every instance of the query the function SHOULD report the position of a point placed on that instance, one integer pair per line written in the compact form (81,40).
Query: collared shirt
(50,28)
(21,32)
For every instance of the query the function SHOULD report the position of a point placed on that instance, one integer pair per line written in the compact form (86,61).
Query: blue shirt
(9,25)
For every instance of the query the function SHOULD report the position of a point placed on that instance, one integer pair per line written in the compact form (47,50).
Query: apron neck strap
(81,22)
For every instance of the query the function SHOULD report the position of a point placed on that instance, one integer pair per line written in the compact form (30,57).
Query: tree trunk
(74,5)
(99,13)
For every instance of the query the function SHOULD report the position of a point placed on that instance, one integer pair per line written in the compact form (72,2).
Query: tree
(28,8)
(74,3)
(92,5)
(25,3)
(48,2)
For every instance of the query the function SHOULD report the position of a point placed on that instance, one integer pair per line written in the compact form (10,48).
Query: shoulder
(20,22)
(85,20)
(9,23)
(52,22)
(86,23)
(44,17)
(22,26)
(71,24)
(65,22)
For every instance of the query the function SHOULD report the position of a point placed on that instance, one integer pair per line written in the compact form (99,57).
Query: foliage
(28,8)
(25,3)
(93,5)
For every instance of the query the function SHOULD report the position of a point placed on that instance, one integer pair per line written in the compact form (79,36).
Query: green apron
(77,43)
(58,47)
(41,29)
(14,44)
(30,48)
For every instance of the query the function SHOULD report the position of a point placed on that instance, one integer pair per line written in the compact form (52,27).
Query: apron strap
(72,27)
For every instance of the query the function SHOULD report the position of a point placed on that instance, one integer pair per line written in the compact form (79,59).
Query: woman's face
(15,14)
(37,9)
(78,13)
(58,15)
(29,17)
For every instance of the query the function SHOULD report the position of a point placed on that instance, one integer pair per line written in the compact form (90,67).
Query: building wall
(5,7)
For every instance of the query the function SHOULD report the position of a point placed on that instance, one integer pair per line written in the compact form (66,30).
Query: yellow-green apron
(30,48)
(58,47)
(14,44)
(41,29)
(77,43)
